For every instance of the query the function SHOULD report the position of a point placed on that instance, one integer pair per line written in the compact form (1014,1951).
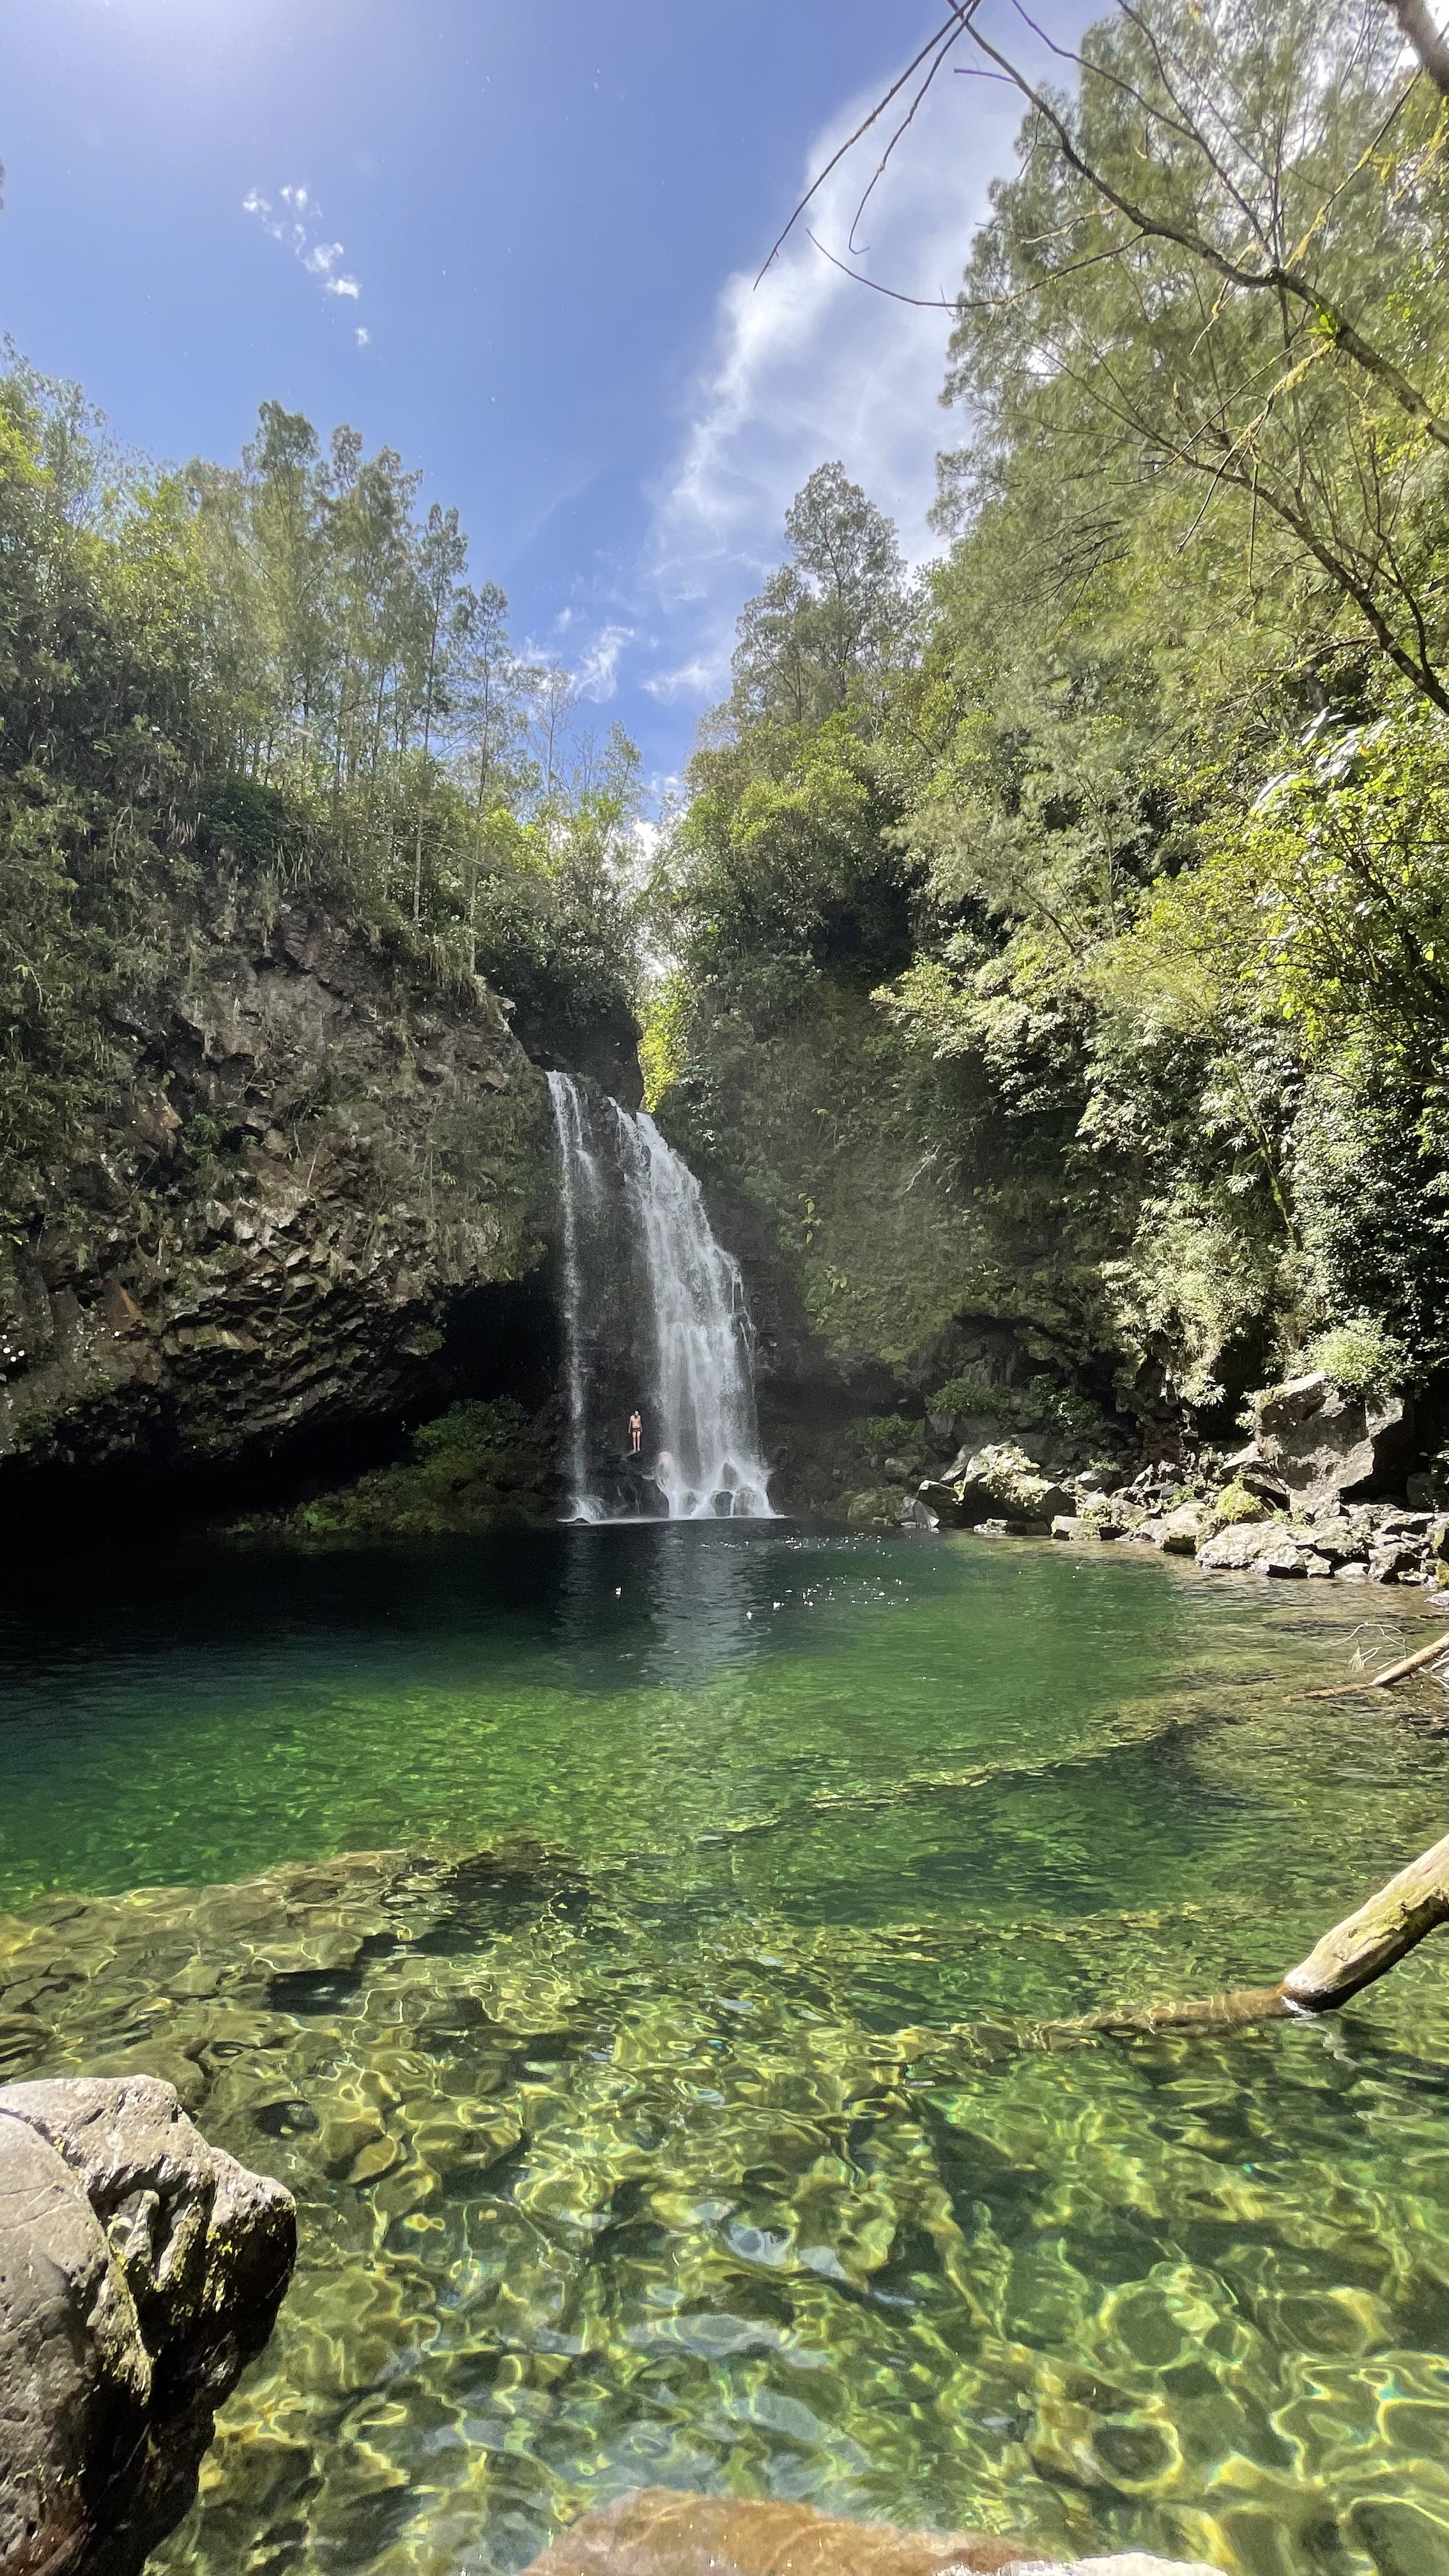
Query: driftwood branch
(1390,1673)
(1348,1958)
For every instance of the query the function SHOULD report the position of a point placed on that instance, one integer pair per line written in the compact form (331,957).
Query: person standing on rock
(636,1432)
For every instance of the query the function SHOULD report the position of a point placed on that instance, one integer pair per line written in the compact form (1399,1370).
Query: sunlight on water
(665,2094)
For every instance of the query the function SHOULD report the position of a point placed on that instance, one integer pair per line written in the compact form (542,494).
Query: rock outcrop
(998,1483)
(309,1162)
(139,2269)
(1326,1446)
(661,2532)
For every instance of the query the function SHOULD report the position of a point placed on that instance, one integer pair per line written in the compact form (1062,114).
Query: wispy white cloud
(696,679)
(290,221)
(808,365)
(588,663)
(597,673)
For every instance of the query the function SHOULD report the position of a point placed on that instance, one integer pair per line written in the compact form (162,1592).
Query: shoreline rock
(1326,1446)
(140,2269)
(1245,1519)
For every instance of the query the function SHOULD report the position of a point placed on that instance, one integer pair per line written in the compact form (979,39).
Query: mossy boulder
(479,1467)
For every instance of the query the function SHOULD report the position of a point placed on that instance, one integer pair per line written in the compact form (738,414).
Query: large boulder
(661,2532)
(140,2268)
(1183,1531)
(1235,1549)
(997,1483)
(1328,1447)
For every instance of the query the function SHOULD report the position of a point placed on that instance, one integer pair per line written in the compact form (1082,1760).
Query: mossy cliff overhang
(310,1162)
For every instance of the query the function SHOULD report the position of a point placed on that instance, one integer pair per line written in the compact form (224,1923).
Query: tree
(442,556)
(555,704)
(828,618)
(1192,300)
(492,695)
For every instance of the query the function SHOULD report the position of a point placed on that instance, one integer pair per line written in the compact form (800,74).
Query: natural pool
(668,2104)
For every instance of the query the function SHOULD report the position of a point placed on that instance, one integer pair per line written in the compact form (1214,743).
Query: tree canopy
(1140,810)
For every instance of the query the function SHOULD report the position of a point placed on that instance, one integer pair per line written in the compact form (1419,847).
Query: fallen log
(1360,1948)
(1208,2012)
(1390,1673)
(1356,1952)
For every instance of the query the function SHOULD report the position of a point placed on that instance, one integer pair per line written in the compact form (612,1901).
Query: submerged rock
(514,2110)
(661,2532)
(139,2269)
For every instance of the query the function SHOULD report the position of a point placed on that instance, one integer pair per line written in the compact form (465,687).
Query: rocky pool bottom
(668,2099)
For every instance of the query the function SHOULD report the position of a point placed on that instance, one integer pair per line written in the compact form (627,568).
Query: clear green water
(705,2133)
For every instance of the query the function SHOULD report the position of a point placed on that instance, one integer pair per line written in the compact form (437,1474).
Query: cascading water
(655,1316)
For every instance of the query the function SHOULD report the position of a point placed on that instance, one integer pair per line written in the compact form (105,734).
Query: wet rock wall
(316,1199)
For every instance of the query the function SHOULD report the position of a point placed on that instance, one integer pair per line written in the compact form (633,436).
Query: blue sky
(524,257)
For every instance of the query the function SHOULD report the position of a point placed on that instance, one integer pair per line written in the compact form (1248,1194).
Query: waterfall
(580,1195)
(655,1316)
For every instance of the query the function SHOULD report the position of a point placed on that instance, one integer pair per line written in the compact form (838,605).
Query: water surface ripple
(633,1946)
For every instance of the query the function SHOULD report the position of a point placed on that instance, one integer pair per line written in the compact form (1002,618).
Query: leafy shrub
(1040,1405)
(885,1431)
(1360,1356)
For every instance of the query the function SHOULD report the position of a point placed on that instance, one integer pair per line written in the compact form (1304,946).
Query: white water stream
(651,1299)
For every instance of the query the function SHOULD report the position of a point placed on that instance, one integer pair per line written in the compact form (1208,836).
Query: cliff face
(312,1166)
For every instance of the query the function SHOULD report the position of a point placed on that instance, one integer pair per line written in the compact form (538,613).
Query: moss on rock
(478,1467)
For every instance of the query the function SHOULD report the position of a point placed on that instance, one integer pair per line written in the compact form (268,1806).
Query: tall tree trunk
(1421,34)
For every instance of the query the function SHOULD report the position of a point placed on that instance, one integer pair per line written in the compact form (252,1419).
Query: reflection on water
(681,2112)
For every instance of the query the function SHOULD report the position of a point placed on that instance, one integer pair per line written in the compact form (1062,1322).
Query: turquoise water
(707,2129)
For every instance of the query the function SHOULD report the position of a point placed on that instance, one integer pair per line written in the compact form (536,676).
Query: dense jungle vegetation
(273,680)
(1066,931)
(1063,933)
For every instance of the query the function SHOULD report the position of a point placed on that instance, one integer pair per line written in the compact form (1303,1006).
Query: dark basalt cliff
(318,1181)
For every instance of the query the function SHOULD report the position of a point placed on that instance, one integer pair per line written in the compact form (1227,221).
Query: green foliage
(790,871)
(884,1431)
(1206,322)
(1141,813)
(257,682)
(1235,1505)
(664,1024)
(477,1467)
(1041,1405)
(1359,1356)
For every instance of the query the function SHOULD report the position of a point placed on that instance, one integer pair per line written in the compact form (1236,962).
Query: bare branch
(901,130)
(952,28)
(927,303)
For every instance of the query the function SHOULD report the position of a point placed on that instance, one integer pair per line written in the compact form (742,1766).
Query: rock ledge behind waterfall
(140,2268)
